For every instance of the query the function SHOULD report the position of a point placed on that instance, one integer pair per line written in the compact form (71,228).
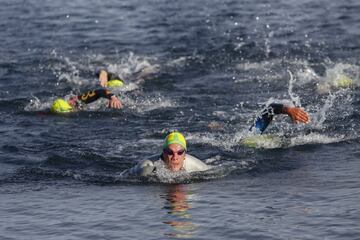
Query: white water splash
(164,175)
(268,41)
(36,105)
(69,72)
(133,66)
(315,138)
(265,141)
(179,62)
(306,75)
(294,99)
(184,61)
(225,141)
(128,87)
(319,117)
(145,104)
(337,77)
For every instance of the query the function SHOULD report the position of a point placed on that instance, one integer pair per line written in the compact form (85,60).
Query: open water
(205,68)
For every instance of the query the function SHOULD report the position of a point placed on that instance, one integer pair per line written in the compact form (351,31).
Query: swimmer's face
(174,157)
(73,102)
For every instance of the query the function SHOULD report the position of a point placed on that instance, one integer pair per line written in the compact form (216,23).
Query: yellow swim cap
(343,82)
(61,106)
(175,137)
(115,83)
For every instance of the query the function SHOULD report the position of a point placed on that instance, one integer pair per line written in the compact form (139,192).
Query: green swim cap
(175,137)
(115,83)
(61,106)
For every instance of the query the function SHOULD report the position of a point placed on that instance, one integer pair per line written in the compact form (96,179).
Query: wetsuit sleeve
(94,95)
(267,115)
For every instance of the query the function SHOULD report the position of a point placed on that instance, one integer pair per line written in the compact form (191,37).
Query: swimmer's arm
(142,169)
(103,78)
(94,95)
(295,113)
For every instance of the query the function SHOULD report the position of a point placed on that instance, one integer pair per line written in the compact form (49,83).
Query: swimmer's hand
(114,102)
(142,169)
(297,115)
(146,168)
(103,78)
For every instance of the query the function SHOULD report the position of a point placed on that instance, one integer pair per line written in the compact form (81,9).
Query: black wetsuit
(94,95)
(267,115)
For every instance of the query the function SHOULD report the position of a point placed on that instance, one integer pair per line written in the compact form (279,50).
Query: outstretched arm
(263,121)
(94,95)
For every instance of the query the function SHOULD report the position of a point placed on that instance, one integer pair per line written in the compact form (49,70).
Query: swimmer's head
(175,137)
(115,83)
(61,106)
(343,82)
(338,82)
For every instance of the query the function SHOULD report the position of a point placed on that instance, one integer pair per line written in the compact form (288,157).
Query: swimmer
(256,137)
(76,102)
(338,82)
(108,79)
(173,155)
(296,114)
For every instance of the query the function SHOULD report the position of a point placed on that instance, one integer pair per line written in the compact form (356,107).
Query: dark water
(204,68)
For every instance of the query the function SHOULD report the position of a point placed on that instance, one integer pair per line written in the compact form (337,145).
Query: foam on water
(133,66)
(230,142)
(145,104)
(128,87)
(305,74)
(163,175)
(315,138)
(266,141)
(225,141)
(319,117)
(36,105)
(178,62)
(68,70)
